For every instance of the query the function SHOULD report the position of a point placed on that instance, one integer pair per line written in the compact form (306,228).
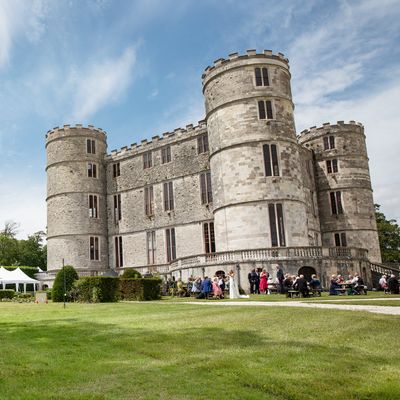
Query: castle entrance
(307,272)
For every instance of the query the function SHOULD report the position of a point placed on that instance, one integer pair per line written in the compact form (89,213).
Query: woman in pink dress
(216,289)
(263,281)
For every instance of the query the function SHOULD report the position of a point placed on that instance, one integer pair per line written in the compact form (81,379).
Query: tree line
(30,252)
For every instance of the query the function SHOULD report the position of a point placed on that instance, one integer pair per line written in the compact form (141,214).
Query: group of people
(353,285)
(206,288)
(390,285)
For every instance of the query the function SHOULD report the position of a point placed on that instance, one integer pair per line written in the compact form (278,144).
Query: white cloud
(23,201)
(17,18)
(99,84)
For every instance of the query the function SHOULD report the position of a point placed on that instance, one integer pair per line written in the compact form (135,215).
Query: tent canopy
(15,277)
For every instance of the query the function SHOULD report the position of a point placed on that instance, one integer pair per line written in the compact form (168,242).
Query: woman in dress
(233,287)
(263,281)
(217,292)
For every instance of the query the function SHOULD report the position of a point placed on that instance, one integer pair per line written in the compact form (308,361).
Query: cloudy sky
(133,68)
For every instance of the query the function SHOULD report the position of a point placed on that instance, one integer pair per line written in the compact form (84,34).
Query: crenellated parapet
(326,128)
(158,141)
(75,130)
(250,56)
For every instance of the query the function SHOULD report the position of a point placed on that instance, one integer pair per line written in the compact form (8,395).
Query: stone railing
(384,269)
(269,254)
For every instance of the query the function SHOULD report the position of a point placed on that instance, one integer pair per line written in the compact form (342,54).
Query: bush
(131,273)
(58,287)
(140,289)
(97,289)
(7,294)
(49,293)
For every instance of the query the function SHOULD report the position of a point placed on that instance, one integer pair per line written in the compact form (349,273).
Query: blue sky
(133,68)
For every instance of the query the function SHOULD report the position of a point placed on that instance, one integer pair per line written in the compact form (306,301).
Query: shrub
(49,293)
(58,287)
(140,289)
(7,294)
(93,289)
(131,273)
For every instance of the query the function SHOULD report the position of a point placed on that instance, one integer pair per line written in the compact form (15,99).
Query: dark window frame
(166,155)
(94,248)
(171,244)
(168,193)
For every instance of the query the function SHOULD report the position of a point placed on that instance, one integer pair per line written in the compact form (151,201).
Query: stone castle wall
(242,193)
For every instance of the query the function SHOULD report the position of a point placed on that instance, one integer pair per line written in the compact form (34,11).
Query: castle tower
(255,162)
(76,200)
(347,213)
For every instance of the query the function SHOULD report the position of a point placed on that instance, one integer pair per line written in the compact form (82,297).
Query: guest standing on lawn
(280,277)
(393,284)
(263,281)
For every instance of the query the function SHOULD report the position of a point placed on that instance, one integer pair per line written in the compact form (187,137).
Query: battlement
(65,128)
(250,54)
(158,141)
(327,127)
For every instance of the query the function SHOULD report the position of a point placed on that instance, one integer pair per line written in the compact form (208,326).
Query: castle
(238,191)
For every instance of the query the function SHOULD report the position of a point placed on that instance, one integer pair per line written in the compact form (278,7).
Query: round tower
(347,213)
(76,199)
(255,161)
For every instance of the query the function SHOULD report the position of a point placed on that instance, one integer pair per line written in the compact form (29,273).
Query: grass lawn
(389,303)
(161,350)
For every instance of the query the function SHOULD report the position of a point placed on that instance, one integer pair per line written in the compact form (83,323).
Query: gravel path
(373,309)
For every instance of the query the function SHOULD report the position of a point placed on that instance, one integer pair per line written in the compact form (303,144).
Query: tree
(58,287)
(32,252)
(10,229)
(389,237)
(131,273)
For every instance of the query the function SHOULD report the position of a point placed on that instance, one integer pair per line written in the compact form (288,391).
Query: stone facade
(271,190)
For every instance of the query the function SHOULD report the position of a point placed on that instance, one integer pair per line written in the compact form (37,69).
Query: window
(265,109)
(166,155)
(202,144)
(92,170)
(271,160)
(147,160)
(262,77)
(116,170)
(117,208)
(168,196)
(336,202)
(93,206)
(209,237)
(90,146)
(276,225)
(329,142)
(151,247)
(148,201)
(94,248)
(205,188)
(171,247)
(340,239)
(332,166)
(119,256)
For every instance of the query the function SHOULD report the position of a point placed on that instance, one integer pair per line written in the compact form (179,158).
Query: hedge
(58,287)
(131,273)
(140,289)
(7,293)
(97,289)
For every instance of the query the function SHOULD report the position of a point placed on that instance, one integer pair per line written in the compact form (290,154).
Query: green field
(162,350)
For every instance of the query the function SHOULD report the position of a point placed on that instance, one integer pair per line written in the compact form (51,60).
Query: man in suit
(280,277)
(254,281)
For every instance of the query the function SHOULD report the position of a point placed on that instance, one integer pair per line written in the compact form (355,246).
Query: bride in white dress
(233,288)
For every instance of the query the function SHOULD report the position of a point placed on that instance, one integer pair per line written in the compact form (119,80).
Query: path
(373,309)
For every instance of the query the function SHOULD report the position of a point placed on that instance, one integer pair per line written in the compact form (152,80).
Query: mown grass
(387,303)
(161,350)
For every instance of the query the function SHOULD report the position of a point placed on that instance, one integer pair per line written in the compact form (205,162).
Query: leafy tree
(58,287)
(8,250)
(10,229)
(131,273)
(389,237)
(32,252)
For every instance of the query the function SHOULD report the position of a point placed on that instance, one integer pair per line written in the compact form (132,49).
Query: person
(393,284)
(315,283)
(333,286)
(302,286)
(206,287)
(217,292)
(287,284)
(263,281)
(359,285)
(196,287)
(221,284)
(180,288)
(280,277)
(233,287)
(383,285)
(254,281)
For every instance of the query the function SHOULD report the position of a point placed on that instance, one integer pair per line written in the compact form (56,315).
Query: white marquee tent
(16,277)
